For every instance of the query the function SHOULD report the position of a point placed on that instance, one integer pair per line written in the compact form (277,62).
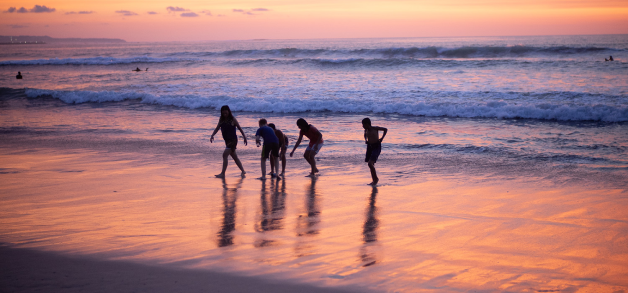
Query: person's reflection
(229,197)
(369,232)
(272,210)
(308,221)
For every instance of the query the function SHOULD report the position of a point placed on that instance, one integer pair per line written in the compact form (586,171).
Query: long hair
(302,124)
(229,116)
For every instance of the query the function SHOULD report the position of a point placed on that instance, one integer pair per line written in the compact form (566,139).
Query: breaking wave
(472,108)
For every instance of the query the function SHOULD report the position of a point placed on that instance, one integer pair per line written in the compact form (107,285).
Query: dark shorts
(269,148)
(372,152)
(231,143)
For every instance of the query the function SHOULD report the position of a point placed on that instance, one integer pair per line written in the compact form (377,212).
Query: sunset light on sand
(228,20)
(314,146)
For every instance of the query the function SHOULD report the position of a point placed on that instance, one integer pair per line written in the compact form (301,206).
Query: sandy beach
(504,168)
(127,212)
(27,270)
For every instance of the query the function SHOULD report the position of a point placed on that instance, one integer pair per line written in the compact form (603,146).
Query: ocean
(466,116)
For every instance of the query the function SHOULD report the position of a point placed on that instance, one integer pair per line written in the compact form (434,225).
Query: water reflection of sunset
(448,234)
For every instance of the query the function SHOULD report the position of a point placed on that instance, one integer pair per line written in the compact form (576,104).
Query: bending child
(373,145)
(316,143)
(227,125)
(283,147)
(271,145)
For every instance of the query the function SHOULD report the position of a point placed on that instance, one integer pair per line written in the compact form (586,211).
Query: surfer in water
(19,75)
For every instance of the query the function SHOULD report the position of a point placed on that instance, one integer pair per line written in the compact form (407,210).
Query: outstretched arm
(241,131)
(296,145)
(211,139)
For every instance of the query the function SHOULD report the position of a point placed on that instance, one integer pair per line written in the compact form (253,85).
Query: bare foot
(282,175)
(311,175)
(221,175)
(373,183)
(261,178)
(243,174)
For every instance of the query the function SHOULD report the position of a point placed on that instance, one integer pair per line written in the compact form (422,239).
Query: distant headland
(17,40)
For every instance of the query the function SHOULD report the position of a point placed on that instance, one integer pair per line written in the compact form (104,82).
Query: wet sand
(131,189)
(154,213)
(26,270)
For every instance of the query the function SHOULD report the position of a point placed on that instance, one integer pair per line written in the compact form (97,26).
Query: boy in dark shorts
(316,143)
(283,147)
(271,145)
(373,145)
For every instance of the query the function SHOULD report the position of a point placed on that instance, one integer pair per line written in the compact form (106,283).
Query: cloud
(41,9)
(152,12)
(207,12)
(17,26)
(176,9)
(22,10)
(251,11)
(80,12)
(189,14)
(126,12)
(10,10)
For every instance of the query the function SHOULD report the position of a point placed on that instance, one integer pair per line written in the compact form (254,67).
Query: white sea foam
(469,109)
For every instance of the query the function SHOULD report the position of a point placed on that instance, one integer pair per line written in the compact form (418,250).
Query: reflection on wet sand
(229,198)
(272,211)
(369,232)
(308,220)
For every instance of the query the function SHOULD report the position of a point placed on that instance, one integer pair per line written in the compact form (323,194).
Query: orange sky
(166,20)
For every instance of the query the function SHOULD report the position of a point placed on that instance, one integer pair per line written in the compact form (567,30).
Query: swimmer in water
(19,75)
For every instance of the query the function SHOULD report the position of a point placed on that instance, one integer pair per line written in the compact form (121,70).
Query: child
(316,142)
(228,124)
(271,145)
(373,146)
(283,147)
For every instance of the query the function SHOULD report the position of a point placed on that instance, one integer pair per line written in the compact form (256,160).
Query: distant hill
(47,39)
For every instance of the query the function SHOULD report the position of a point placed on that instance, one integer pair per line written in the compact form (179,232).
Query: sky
(199,20)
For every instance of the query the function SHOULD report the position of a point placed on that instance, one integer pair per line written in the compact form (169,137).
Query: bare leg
(309,157)
(272,165)
(237,161)
(276,160)
(263,161)
(373,173)
(283,164)
(225,163)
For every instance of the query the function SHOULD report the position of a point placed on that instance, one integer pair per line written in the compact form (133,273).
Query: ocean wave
(405,52)
(91,61)
(380,56)
(542,110)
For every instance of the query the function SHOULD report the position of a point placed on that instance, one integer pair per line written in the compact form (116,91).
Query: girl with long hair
(227,125)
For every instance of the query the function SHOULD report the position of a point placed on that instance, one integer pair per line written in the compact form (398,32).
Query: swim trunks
(372,151)
(315,147)
(269,148)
